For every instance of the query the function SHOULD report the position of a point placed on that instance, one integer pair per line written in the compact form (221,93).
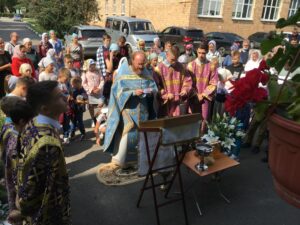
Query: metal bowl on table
(202,150)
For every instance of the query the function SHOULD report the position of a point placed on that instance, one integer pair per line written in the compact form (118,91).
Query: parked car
(90,37)
(224,40)
(181,35)
(256,39)
(287,35)
(17,18)
(133,29)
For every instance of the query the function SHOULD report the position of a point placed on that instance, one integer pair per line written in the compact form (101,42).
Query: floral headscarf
(17,53)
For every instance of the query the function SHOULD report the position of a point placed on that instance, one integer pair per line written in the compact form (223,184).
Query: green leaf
(294,109)
(260,110)
(269,44)
(281,62)
(274,88)
(272,62)
(296,78)
(292,20)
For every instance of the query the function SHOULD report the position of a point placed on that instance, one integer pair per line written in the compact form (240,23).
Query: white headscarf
(43,37)
(51,53)
(251,64)
(47,61)
(26,40)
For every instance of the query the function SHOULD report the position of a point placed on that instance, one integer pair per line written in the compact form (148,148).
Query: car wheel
(221,50)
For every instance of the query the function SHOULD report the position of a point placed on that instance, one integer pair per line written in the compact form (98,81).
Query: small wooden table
(222,162)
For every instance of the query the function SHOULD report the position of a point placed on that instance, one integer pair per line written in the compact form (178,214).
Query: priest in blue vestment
(131,100)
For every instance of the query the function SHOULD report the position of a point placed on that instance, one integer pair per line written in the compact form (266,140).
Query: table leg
(197,204)
(218,180)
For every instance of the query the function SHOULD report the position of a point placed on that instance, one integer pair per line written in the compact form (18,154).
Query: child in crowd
(65,119)
(236,67)
(25,70)
(79,97)
(48,73)
(124,52)
(93,82)
(223,86)
(19,113)
(101,126)
(63,78)
(68,62)
(227,60)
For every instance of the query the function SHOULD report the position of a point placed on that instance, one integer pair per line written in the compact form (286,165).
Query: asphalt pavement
(7,26)
(248,186)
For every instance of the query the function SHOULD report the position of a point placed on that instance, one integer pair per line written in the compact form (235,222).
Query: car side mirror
(125,31)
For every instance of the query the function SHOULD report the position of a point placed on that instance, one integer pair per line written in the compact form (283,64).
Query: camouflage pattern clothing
(43,183)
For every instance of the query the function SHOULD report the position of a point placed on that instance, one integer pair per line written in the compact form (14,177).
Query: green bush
(11,15)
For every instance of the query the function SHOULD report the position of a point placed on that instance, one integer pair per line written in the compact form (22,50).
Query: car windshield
(92,33)
(141,27)
(194,33)
(233,37)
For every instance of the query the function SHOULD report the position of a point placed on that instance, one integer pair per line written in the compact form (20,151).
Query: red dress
(17,62)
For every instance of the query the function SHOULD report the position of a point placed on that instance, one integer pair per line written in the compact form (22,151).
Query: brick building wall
(164,13)
(228,24)
(106,8)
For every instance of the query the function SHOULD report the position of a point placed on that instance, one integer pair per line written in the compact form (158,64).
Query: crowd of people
(46,90)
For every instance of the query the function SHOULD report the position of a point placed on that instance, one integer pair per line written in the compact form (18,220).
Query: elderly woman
(212,52)
(156,46)
(19,57)
(5,66)
(152,62)
(31,52)
(50,55)
(255,58)
(44,45)
(58,47)
(76,51)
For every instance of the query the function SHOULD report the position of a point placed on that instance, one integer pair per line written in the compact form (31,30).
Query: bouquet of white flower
(224,130)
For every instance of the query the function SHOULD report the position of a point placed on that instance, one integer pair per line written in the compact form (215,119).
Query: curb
(29,27)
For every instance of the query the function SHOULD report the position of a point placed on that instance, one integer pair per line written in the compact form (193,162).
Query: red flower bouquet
(247,89)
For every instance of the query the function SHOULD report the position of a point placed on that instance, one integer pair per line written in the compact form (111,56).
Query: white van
(133,29)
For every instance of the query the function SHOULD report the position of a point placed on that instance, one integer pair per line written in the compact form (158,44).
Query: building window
(295,4)
(106,7)
(114,7)
(270,10)
(123,8)
(210,8)
(242,9)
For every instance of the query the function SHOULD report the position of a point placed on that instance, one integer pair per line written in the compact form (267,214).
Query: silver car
(133,29)
(90,37)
